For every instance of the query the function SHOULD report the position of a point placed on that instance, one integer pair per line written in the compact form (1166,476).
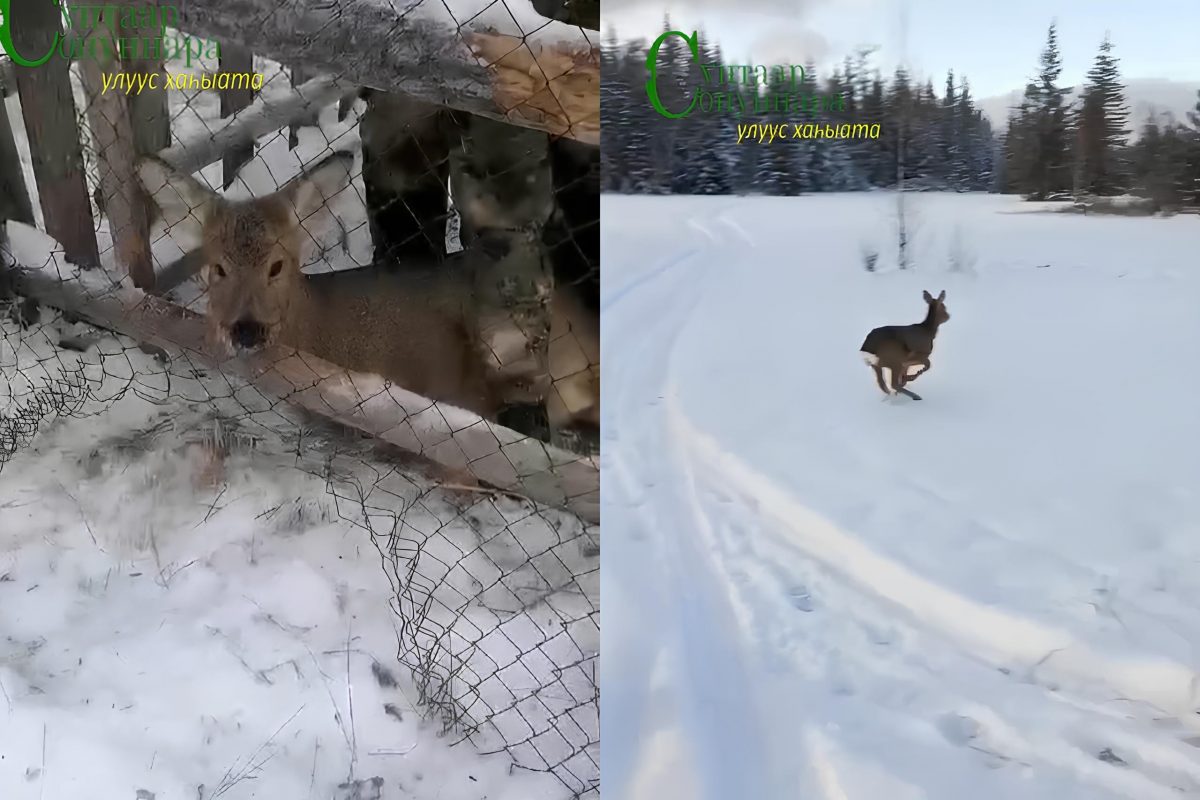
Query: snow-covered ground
(169,630)
(819,593)
(236,636)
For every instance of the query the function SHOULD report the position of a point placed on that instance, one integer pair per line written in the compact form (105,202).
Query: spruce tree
(1050,164)
(1102,133)
(877,154)
(1190,178)
(968,170)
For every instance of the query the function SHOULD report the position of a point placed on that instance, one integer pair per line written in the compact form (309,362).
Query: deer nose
(248,333)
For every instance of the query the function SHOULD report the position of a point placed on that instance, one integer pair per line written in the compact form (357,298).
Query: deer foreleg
(923,363)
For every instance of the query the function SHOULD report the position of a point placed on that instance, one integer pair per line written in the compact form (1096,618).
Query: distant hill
(1144,96)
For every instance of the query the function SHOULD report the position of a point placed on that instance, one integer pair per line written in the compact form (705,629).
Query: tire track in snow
(1068,736)
(1156,682)
(991,633)
(710,678)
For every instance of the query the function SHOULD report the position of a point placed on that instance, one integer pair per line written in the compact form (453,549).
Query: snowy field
(171,631)
(820,593)
(185,641)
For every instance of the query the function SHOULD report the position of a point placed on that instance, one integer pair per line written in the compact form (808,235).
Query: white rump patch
(870,358)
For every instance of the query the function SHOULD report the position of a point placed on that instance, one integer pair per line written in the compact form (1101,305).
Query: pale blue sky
(996,44)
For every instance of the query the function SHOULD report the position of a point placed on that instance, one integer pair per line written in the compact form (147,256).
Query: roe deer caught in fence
(415,327)
(897,348)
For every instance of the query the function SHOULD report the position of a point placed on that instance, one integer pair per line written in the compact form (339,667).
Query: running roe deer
(415,327)
(898,347)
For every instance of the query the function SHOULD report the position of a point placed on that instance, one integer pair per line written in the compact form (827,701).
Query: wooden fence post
(235,60)
(53,131)
(299,76)
(112,130)
(14,197)
(148,108)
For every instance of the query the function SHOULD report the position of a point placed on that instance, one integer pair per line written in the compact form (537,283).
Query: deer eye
(218,270)
(276,268)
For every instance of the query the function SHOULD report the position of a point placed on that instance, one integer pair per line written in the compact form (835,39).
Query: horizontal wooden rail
(278,105)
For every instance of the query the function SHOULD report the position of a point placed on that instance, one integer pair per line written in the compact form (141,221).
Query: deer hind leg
(899,378)
(879,379)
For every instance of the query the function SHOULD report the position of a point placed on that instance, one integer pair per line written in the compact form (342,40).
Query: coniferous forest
(932,136)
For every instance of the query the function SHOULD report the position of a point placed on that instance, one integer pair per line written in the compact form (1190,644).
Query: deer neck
(930,323)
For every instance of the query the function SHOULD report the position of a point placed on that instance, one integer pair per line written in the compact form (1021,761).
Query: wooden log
(50,123)
(276,106)
(108,113)
(235,60)
(543,86)
(530,72)
(454,439)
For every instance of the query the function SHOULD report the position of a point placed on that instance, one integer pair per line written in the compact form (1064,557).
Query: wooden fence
(547,79)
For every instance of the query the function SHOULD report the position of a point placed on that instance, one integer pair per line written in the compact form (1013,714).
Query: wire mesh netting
(396,296)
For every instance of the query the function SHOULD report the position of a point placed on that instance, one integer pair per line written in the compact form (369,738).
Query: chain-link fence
(312,261)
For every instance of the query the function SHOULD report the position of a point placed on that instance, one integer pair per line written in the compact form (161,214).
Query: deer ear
(310,191)
(942,296)
(177,195)
(928,297)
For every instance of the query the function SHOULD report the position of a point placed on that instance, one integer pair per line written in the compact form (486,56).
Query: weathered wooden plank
(276,106)
(235,60)
(14,197)
(546,78)
(124,201)
(454,439)
(148,108)
(8,77)
(50,122)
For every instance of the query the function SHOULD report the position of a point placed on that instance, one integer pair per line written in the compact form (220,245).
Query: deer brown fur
(897,348)
(416,327)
